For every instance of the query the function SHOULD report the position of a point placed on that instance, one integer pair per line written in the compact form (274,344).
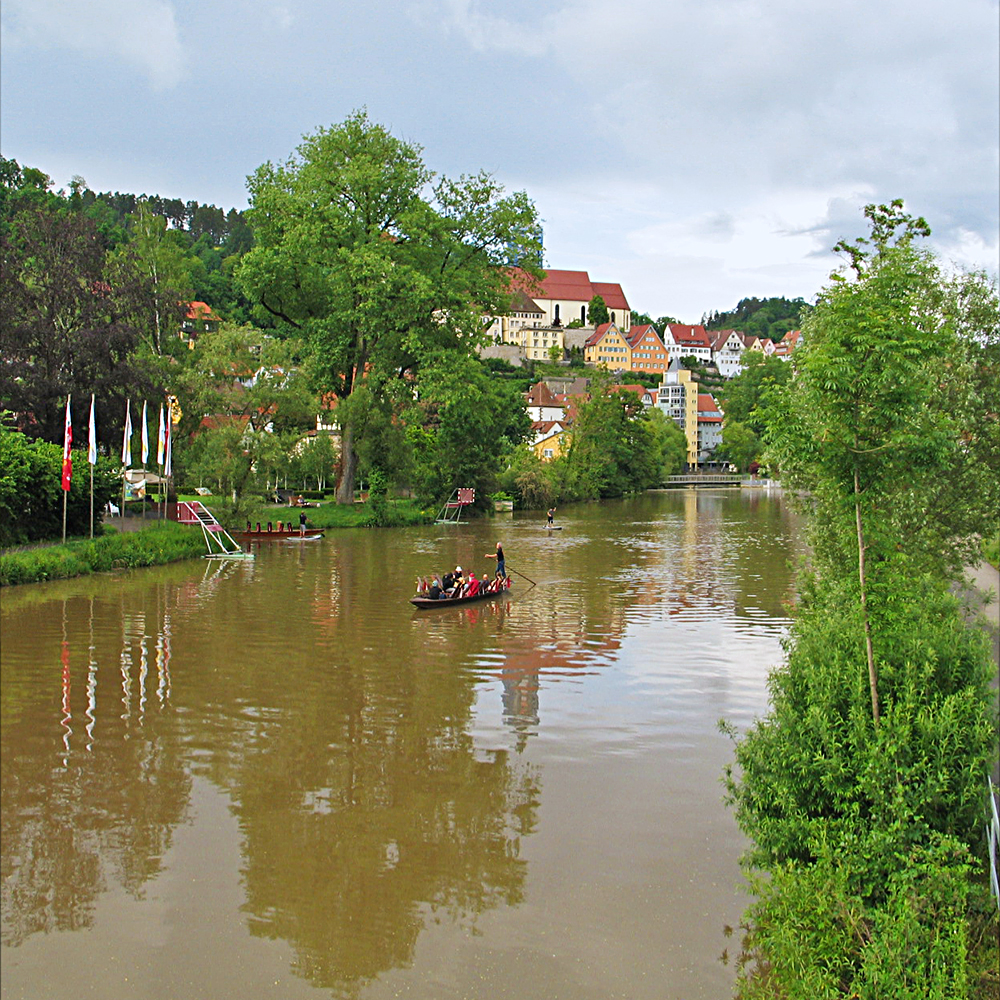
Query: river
(262,778)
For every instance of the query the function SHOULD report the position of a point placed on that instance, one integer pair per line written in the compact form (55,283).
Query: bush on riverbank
(160,543)
(870,835)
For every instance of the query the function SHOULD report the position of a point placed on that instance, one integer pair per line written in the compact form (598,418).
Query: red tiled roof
(636,334)
(541,395)
(573,286)
(598,334)
(200,310)
(689,336)
(614,297)
(546,426)
(708,409)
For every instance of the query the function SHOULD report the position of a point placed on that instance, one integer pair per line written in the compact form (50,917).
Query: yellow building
(677,397)
(608,347)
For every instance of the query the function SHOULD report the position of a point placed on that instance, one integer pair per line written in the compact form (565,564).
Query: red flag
(67,470)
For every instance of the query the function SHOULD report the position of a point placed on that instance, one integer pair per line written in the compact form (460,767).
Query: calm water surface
(260,779)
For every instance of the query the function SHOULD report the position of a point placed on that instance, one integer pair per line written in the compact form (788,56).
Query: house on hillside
(550,439)
(648,353)
(543,404)
(727,352)
(783,349)
(646,396)
(199,318)
(525,315)
(683,341)
(608,347)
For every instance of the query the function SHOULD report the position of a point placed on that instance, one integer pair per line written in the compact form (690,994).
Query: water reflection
(377,789)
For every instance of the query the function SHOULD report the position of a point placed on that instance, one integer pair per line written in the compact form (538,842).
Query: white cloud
(142,33)
(889,96)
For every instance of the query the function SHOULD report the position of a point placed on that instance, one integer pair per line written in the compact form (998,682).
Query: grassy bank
(159,543)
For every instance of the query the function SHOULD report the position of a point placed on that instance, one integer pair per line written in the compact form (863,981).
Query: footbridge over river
(711,479)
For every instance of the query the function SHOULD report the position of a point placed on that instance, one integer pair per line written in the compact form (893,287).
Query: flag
(92,435)
(161,440)
(145,436)
(67,469)
(127,441)
(168,450)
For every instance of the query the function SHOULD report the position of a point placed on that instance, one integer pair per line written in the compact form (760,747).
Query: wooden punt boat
(279,531)
(449,602)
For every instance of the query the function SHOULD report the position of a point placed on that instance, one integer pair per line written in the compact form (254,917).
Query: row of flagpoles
(164,451)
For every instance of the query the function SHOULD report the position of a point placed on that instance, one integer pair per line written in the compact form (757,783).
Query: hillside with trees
(772,317)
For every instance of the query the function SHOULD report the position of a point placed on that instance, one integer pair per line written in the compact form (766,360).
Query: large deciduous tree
(377,262)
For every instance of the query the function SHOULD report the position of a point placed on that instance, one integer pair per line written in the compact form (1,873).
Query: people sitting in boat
(447,584)
(434,590)
(459,581)
(472,587)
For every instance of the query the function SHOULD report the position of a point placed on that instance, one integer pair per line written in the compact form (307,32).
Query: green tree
(865,425)
(861,789)
(741,444)
(240,388)
(597,311)
(377,263)
(613,450)
(745,391)
(464,426)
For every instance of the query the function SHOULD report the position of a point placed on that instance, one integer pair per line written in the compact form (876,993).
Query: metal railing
(993,839)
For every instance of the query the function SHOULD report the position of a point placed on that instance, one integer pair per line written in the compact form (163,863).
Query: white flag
(92,436)
(161,440)
(127,440)
(167,463)
(145,436)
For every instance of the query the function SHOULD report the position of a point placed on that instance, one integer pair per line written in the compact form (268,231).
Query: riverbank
(150,543)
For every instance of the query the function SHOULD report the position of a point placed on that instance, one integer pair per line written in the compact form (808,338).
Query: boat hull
(425,603)
(279,535)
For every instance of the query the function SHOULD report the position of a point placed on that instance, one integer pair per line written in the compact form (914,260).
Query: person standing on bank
(501,569)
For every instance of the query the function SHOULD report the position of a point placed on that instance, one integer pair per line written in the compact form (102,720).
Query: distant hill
(772,317)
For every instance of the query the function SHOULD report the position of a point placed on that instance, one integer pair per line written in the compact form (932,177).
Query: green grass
(160,543)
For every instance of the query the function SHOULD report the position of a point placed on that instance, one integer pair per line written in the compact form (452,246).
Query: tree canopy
(377,262)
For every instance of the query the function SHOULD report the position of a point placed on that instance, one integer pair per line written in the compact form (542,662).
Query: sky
(695,151)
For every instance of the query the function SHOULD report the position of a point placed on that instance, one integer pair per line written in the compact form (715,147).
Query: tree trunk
(872,675)
(348,465)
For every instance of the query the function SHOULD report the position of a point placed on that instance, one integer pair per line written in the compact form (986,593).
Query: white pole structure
(92,458)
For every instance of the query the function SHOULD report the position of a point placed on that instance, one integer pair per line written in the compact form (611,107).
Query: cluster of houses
(549,320)
(552,405)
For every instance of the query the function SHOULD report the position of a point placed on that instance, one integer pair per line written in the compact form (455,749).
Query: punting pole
(522,576)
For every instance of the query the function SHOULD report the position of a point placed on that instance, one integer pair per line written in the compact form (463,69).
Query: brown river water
(274,777)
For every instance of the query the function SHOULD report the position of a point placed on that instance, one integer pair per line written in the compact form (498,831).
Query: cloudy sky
(697,151)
